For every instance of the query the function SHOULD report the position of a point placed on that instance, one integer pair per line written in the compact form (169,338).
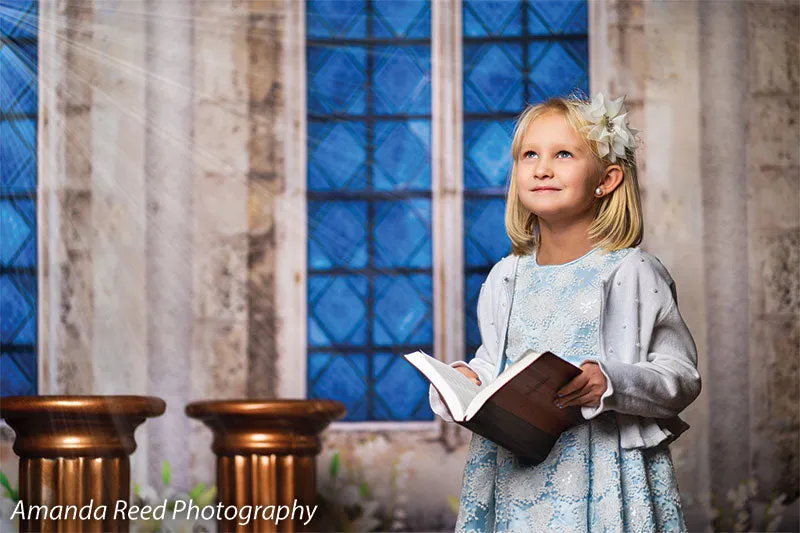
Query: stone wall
(773,242)
(168,167)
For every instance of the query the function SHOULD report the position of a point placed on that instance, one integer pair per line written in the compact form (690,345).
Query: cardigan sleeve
(485,359)
(662,385)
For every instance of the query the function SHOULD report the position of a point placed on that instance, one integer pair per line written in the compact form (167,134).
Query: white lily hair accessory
(608,127)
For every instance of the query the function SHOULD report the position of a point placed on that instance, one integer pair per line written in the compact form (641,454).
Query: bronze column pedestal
(74,451)
(266,453)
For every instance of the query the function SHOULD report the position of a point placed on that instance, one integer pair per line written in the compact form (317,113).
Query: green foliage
(11,493)
(335,465)
(165,474)
(203,495)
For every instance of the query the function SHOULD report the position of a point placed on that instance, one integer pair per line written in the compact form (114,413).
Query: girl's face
(556,172)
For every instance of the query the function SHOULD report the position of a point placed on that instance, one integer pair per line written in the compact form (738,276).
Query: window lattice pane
(492,18)
(515,53)
(403,234)
(401,80)
(403,311)
(19,19)
(557,17)
(493,77)
(486,147)
(401,391)
(337,235)
(18,261)
(336,19)
(369,205)
(18,155)
(484,229)
(337,156)
(18,309)
(402,18)
(18,75)
(18,226)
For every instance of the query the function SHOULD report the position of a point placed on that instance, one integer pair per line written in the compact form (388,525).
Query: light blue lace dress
(588,482)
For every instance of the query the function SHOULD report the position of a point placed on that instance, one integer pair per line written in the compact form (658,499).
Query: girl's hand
(585,390)
(467,371)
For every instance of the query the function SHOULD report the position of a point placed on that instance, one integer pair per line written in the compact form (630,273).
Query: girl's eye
(563,153)
(528,154)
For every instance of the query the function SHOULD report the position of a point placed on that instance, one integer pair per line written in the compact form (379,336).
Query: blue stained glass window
(516,52)
(18,115)
(369,205)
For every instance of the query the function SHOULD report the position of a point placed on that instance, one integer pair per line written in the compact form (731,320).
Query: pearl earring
(598,191)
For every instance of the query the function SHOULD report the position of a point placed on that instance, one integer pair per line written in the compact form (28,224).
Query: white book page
(483,396)
(456,389)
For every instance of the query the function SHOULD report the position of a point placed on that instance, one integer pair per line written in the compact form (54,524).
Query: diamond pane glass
(18,155)
(337,232)
(484,18)
(516,52)
(18,75)
(369,204)
(402,155)
(336,313)
(401,391)
(337,156)
(487,145)
(336,19)
(403,233)
(336,79)
(402,18)
(18,261)
(485,241)
(401,80)
(403,310)
(19,19)
(18,309)
(18,373)
(493,78)
(556,70)
(18,228)
(340,377)
(551,17)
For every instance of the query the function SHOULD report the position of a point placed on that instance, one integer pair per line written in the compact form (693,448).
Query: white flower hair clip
(608,127)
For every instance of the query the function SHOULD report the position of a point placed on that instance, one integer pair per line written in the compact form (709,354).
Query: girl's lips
(545,189)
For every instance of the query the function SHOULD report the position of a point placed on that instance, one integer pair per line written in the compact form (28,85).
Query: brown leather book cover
(516,410)
(521,415)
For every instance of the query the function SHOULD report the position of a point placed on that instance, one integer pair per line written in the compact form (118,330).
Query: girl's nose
(542,171)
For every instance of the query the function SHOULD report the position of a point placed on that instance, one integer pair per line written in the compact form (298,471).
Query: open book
(516,410)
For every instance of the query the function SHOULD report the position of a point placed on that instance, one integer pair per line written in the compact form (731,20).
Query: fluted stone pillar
(723,141)
(169,168)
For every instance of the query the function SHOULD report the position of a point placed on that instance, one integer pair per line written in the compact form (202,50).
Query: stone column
(169,265)
(773,226)
(270,134)
(219,254)
(648,51)
(723,142)
(673,206)
(66,74)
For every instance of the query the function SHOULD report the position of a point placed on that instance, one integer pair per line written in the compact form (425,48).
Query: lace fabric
(588,481)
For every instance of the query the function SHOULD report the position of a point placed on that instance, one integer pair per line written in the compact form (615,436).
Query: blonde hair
(617,221)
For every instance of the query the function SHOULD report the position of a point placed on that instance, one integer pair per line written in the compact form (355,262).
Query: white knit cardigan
(646,351)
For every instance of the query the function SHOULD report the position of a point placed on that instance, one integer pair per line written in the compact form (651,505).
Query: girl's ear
(610,179)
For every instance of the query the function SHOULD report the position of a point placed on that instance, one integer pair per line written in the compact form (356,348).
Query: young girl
(578,285)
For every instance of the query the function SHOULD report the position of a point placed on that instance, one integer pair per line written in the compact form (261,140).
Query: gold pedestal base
(74,464)
(266,452)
